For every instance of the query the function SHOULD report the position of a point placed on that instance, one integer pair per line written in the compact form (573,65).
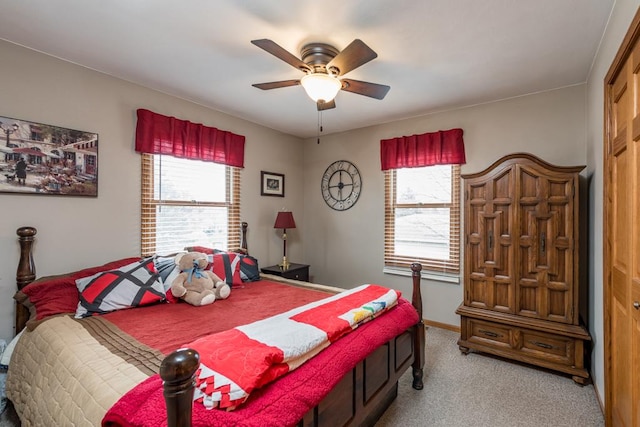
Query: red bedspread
(283,402)
(167,327)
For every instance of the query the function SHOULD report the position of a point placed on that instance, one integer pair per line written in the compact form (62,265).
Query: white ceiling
(435,54)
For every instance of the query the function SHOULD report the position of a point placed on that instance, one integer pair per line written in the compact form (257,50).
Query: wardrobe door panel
(546,243)
(489,255)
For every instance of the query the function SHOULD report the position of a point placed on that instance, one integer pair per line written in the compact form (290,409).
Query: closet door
(546,243)
(620,214)
(622,236)
(633,302)
(489,257)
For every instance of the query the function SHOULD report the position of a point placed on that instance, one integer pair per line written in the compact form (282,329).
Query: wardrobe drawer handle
(488,333)
(541,344)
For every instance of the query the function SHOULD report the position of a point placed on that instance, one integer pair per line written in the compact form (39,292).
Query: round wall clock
(341,185)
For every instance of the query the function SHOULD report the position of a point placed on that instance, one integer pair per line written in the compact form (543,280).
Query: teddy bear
(196,285)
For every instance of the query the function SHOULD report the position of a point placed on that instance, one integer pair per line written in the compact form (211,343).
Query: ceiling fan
(323,66)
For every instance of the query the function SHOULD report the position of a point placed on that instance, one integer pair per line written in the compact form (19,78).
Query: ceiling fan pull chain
(319,125)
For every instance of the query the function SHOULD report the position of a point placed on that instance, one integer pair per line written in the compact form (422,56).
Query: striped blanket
(237,361)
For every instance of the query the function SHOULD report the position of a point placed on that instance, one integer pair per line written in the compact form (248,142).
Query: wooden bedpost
(26,271)
(178,373)
(243,242)
(418,336)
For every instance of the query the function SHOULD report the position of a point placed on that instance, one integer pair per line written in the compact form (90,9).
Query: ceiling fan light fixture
(321,86)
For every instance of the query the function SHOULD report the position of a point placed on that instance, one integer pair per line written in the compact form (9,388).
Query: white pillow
(6,354)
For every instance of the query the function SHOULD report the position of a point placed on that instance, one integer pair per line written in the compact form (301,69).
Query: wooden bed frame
(359,399)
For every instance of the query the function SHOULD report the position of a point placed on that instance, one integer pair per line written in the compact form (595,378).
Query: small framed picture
(272,184)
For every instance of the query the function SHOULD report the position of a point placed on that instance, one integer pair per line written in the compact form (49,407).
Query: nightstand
(295,271)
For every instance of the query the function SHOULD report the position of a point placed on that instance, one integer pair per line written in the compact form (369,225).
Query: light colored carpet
(480,390)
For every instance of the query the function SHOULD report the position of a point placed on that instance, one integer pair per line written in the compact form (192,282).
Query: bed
(114,369)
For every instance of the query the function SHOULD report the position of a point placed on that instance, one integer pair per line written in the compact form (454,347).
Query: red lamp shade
(284,220)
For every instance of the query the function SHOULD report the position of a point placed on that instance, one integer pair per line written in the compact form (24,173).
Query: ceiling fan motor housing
(318,55)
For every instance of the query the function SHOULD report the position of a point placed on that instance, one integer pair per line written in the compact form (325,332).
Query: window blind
(188,203)
(423,226)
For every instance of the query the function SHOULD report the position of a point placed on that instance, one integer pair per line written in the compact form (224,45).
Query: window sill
(448,278)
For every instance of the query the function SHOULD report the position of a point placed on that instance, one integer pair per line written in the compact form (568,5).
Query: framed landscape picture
(36,158)
(272,184)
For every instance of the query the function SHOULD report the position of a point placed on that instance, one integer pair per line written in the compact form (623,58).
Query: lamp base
(285,264)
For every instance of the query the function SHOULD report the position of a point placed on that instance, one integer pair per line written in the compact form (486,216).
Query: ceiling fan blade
(326,105)
(372,90)
(352,56)
(276,85)
(281,53)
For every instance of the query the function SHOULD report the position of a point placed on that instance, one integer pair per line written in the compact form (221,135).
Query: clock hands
(340,186)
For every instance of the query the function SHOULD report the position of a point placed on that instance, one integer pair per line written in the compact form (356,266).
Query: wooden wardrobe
(521,269)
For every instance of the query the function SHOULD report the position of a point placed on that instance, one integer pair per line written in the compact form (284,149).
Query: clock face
(341,185)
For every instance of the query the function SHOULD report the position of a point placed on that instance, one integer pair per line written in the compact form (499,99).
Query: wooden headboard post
(26,271)
(243,242)
(418,336)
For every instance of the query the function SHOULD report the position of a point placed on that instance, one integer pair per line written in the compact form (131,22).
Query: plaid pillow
(249,270)
(133,285)
(227,267)
(201,249)
(52,295)
(168,271)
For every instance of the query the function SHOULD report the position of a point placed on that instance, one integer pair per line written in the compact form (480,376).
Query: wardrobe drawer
(490,334)
(543,348)
(549,347)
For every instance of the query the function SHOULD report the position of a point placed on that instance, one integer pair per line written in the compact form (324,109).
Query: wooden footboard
(359,399)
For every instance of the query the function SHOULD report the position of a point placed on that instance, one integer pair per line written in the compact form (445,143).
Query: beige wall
(79,232)
(347,248)
(621,17)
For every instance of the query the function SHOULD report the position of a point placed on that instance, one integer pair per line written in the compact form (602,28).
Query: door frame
(625,49)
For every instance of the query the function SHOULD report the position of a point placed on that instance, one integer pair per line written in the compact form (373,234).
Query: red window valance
(444,147)
(158,134)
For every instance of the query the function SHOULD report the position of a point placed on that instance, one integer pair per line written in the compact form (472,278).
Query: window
(188,203)
(422,218)
(36,133)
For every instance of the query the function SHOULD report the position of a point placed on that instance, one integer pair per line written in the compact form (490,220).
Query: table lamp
(284,220)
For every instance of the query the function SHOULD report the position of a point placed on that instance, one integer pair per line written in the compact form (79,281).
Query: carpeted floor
(9,418)
(480,390)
